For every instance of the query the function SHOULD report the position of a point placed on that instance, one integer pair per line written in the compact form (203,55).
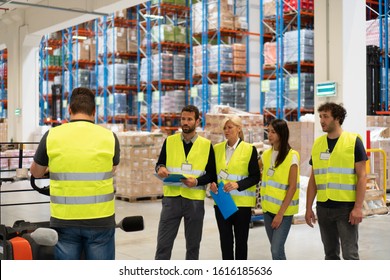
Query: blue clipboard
(174,178)
(224,201)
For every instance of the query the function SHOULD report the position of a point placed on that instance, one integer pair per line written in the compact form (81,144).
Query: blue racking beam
(205,63)
(299,60)
(149,71)
(387,93)
(262,93)
(41,99)
(96,66)
(139,67)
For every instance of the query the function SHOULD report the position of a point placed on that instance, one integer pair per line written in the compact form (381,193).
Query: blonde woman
(237,167)
(279,187)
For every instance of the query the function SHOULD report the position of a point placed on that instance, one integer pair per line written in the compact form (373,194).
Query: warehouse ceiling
(7,6)
(42,17)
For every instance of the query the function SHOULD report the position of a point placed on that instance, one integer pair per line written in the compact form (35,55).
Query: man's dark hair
(191,108)
(82,100)
(338,111)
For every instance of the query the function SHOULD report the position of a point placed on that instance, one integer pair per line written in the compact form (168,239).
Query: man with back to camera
(82,158)
(192,155)
(338,178)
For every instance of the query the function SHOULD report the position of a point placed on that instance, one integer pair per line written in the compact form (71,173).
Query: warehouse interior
(260,59)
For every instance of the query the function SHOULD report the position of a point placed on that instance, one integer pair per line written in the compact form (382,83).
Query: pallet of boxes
(378,166)
(134,178)
(301,140)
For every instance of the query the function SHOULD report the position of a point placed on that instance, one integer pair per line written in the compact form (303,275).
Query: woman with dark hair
(279,187)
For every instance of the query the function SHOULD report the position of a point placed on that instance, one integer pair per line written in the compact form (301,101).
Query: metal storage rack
(279,24)
(3,83)
(221,36)
(151,16)
(379,11)
(108,57)
(50,66)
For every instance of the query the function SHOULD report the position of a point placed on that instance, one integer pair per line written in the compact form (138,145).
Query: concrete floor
(303,242)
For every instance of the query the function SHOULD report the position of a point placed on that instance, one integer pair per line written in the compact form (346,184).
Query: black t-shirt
(360,155)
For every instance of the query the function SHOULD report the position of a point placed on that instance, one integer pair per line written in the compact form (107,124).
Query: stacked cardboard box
(292,5)
(135,174)
(13,161)
(116,40)
(306,44)
(239,57)
(270,53)
(301,140)
(252,124)
(269,8)
(4,131)
(80,51)
(223,13)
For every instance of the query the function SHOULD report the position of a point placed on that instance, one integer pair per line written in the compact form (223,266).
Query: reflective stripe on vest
(237,169)
(80,176)
(81,179)
(82,199)
(335,177)
(274,188)
(197,157)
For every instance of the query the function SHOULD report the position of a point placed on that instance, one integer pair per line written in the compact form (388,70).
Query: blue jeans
(277,237)
(90,244)
(335,228)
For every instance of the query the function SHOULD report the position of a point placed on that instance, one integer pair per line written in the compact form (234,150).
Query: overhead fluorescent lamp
(78,37)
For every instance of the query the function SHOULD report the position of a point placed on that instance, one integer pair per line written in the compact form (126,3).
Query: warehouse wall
(340,56)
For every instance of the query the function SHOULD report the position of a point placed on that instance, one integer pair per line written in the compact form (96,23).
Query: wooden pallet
(138,198)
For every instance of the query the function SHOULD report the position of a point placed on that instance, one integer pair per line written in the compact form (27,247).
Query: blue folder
(174,178)
(224,201)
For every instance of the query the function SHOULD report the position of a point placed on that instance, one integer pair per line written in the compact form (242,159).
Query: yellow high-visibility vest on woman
(81,189)
(274,184)
(197,158)
(237,169)
(334,173)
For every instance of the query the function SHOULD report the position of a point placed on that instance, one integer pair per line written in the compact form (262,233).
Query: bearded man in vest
(191,155)
(81,157)
(338,179)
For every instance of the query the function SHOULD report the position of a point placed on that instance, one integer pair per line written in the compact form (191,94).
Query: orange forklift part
(21,248)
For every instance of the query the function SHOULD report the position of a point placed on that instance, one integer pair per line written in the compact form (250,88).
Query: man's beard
(188,129)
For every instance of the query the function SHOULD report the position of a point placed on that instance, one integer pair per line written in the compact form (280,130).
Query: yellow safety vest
(274,188)
(197,157)
(335,177)
(237,169)
(81,179)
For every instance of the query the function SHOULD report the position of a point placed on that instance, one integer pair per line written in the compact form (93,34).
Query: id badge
(223,174)
(324,156)
(270,172)
(186,167)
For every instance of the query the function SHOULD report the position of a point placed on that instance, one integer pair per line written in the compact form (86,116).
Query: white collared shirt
(230,150)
